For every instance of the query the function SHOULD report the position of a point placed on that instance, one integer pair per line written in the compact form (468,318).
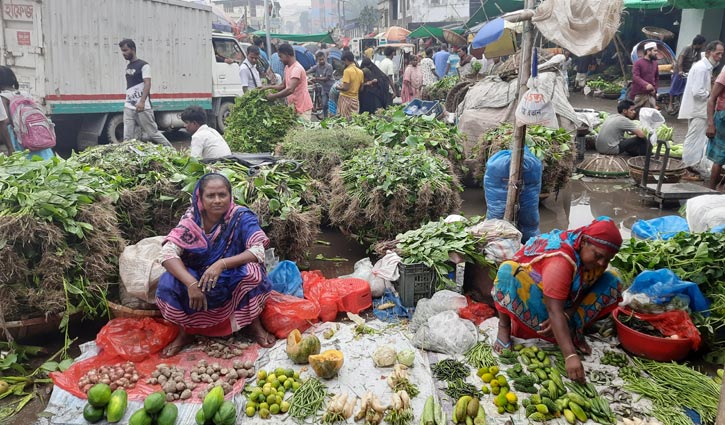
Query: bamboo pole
(721,406)
(517,150)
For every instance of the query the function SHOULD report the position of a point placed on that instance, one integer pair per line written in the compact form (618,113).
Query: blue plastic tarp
(660,227)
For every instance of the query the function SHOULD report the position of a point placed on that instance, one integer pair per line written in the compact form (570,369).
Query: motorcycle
(315,90)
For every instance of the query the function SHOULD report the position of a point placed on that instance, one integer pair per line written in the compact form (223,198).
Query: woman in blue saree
(215,283)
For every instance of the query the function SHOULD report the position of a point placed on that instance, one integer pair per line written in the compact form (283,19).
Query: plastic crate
(417,107)
(416,281)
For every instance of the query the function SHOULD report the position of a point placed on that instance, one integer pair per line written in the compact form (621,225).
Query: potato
(169,387)
(169,397)
(248,365)
(186,394)
(180,386)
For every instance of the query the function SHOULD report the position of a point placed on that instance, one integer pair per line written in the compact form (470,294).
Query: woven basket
(674,172)
(603,166)
(118,311)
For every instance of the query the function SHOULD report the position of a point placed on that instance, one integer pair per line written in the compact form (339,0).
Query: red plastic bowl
(647,346)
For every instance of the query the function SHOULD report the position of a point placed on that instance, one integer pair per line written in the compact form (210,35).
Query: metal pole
(517,150)
(266,28)
(721,410)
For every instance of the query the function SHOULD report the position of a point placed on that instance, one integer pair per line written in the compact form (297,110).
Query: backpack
(32,128)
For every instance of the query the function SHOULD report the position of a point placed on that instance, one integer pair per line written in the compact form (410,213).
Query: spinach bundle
(382,191)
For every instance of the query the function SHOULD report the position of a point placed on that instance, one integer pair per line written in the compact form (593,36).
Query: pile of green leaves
(605,86)
(382,191)
(322,149)
(256,124)
(392,127)
(432,243)
(439,90)
(51,190)
(693,257)
(554,147)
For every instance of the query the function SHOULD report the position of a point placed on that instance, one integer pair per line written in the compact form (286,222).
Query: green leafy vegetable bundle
(605,86)
(382,191)
(553,147)
(256,124)
(693,257)
(439,90)
(432,243)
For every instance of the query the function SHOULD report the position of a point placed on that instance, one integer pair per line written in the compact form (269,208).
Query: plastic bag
(476,312)
(286,279)
(677,322)
(135,339)
(705,212)
(336,295)
(140,269)
(503,239)
(660,227)
(495,184)
(284,313)
(663,288)
(446,333)
(444,300)
(385,271)
(363,269)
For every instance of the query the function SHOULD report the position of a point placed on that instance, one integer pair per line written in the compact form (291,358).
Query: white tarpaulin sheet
(583,27)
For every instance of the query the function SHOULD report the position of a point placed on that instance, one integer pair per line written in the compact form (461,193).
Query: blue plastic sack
(390,314)
(495,185)
(661,286)
(660,227)
(287,279)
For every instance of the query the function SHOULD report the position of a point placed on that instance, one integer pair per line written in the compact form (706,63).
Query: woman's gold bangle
(194,283)
(570,356)
(225,264)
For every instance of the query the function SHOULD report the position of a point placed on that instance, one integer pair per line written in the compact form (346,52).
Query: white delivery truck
(66,54)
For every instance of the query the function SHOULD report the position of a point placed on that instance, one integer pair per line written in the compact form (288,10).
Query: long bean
(308,399)
(450,370)
(480,355)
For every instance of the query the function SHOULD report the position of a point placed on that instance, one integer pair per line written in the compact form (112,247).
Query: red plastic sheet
(68,380)
(135,339)
(476,312)
(284,313)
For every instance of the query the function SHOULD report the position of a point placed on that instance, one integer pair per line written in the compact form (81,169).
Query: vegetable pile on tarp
(392,127)
(382,191)
(59,238)
(693,257)
(256,124)
(432,243)
(323,149)
(439,90)
(607,87)
(554,148)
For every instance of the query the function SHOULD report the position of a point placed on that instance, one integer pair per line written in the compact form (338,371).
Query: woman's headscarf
(602,232)
(375,71)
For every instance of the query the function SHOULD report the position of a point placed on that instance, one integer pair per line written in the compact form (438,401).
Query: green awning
(323,37)
(645,4)
(698,4)
(428,31)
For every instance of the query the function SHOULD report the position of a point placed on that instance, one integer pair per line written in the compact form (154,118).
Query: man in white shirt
(693,108)
(206,143)
(248,73)
(137,110)
(388,67)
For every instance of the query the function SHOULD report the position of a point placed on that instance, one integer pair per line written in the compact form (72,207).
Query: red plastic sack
(186,360)
(135,339)
(336,295)
(476,312)
(284,313)
(675,322)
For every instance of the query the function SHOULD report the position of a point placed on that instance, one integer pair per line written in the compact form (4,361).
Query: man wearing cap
(645,75)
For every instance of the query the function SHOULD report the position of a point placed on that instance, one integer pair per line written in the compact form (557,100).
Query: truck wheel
(114,129)
(224,110)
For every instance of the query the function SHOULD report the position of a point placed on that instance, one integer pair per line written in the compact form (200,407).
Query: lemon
(494,370)
(501,410)
(263,406)
(279,371)
(494,384)
(288,384)
(267,390)
(296,385)
(261,383)
(271,376)
(271,399)
(482,371)
(250,411)
(495,390)
(290,373)
(252,404)
(485,390)
(261,398)
(295,375)
(501,380)
(282,379)
(511,398)
(264,413)
(284,407)
(487,377)
(274,409)
(262,374)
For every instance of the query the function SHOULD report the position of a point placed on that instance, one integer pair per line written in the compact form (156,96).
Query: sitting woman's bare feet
(503,339)
(181,340)
(260,335)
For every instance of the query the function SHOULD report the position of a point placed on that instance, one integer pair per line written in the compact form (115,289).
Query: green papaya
(154,402)
(168,415)
(99,395)
(226,415)
(212,402)
(140,417)
(200,417)
(92,414)
(116,407)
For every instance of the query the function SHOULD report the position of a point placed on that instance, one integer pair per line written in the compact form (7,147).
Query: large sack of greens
(555,149)
(383,191)
(256,124)
(322,149)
